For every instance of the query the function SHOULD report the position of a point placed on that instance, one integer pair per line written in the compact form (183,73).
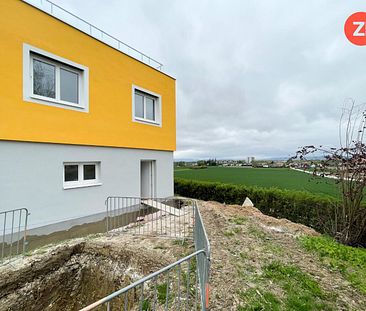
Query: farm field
(282,178)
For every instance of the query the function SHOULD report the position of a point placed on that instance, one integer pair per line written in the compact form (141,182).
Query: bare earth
(239,252)
(243,241)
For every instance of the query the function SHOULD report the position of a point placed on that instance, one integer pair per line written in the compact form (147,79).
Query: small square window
(146,107)
(89,171)
(71,173)
(78,175)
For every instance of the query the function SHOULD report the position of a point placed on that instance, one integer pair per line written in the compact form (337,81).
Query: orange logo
(355,28)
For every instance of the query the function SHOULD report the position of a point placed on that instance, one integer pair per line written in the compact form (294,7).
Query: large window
(52,80)
(146,106)
(55,81)
(81,175)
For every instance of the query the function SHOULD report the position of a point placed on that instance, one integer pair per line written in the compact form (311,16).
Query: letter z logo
(358,32)
(355,28)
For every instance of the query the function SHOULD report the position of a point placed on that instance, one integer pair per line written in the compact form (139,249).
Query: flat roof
(82,25)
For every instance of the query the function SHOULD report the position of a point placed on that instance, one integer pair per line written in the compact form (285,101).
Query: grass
(238,220)
(282,178)
(299,291)
(349,261)
(161,289)
(182,242)
(254,231)
(290,276)
(232,232)
(146,306)
(259,301)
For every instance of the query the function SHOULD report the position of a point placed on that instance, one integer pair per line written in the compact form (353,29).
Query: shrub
(298,206)
(347,164)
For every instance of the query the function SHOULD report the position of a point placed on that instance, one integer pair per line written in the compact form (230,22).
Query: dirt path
(247,246)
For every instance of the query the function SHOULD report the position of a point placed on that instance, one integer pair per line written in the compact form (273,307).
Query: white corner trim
(159,119)
(28,95)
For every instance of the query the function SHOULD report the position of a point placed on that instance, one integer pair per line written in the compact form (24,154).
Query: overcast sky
(254,78)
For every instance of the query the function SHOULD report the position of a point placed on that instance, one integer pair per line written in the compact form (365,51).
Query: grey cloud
(253,77)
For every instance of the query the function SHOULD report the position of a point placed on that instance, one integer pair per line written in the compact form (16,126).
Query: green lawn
(263,177)
(350,261)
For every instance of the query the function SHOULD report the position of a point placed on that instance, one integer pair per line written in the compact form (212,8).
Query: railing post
(107,214)
(25,231)
(17,232)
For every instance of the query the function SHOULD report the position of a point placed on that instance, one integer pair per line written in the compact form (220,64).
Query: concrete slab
(163,207)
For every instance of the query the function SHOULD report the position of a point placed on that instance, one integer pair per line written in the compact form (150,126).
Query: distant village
(247,163)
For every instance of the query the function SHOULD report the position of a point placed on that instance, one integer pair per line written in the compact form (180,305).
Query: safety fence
(201,242)
(174,287)
(13,224)
(182,285)
(171,217)
(93,31)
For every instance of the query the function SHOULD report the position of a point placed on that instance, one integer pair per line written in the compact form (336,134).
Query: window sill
(66,187)
(145,121)
(55,101)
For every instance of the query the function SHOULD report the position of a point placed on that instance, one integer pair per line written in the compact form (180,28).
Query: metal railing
(13,226)
(93,31)
(151,216)
(174,287)
(183,285)
(201,242)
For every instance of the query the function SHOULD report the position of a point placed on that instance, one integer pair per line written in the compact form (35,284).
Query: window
(55,81)
(44,75)
(78,175)
(146,106)
(51,80)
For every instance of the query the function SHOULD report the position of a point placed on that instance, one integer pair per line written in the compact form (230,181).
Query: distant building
(250,160)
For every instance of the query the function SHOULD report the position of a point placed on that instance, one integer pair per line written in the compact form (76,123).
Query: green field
(263,177)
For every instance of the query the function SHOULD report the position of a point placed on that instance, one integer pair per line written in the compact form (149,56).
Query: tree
(347,165)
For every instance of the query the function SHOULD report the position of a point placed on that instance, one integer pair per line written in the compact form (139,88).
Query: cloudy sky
(254,78)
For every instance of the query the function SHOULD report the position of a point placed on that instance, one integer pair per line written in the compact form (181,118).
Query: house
(80,118)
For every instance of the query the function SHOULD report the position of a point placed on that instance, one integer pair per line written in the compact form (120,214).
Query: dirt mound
(72,275)
(246,245)
(267,222)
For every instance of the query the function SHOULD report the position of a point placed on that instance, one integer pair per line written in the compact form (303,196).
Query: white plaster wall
(31,176)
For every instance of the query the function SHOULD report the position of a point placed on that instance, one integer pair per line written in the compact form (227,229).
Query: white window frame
(80,183)
(157,108)
(29,54)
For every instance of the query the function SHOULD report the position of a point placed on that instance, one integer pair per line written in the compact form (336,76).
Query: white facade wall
(31,176)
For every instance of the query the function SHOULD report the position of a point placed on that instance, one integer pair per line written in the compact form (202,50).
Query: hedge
(298,206)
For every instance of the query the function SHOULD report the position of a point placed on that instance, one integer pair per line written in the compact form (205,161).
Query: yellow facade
(111,76)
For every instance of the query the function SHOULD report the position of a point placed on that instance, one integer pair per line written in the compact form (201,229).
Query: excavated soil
(243,240)
(78,272)
(73,274)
